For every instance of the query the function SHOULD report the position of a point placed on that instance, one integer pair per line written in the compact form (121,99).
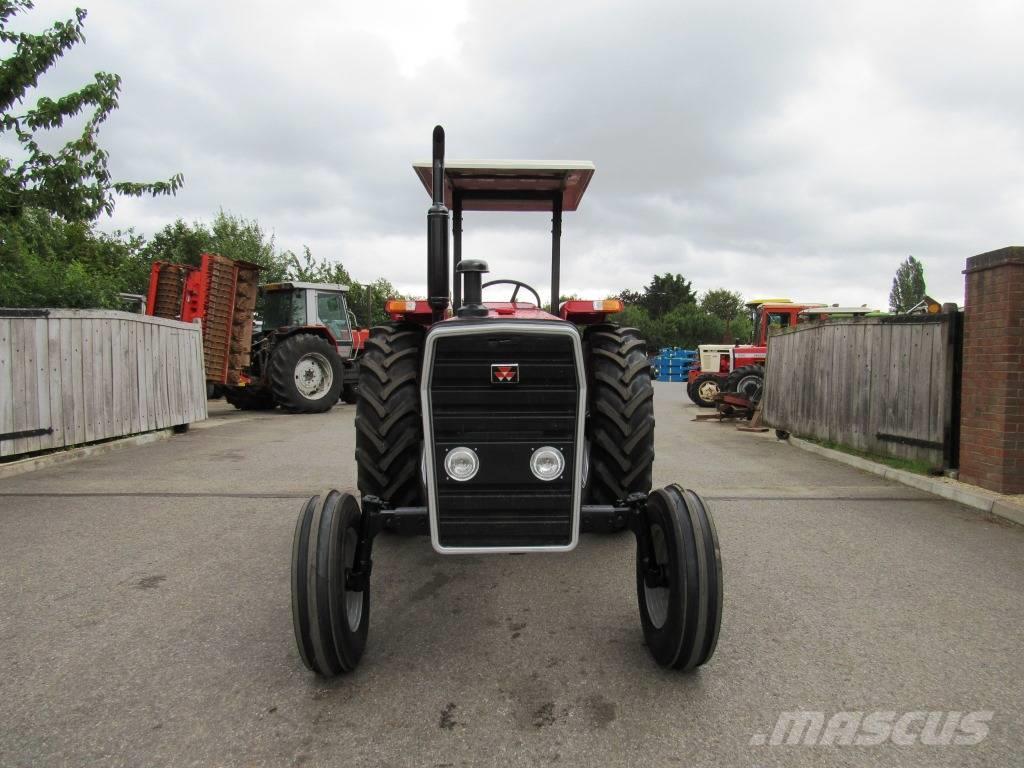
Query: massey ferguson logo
(505,373)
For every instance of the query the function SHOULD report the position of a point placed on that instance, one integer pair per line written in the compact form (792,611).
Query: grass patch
(916,466)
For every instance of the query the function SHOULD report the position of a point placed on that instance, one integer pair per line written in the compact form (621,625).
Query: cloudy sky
(776,148)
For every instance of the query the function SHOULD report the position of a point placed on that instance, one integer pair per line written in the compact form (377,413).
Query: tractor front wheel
(621,424)
(678,578)
(745,381)
(329,615)
(306,374)
(704,389)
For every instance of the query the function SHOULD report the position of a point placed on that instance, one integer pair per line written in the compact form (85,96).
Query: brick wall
(992,407)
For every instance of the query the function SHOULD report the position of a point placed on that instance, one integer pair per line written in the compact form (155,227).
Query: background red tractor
(740,367)
(303,354)
(738,370)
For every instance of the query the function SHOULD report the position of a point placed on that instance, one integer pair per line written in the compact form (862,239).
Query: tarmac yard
(145,620)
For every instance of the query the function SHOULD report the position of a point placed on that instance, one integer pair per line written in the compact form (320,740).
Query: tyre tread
(389,430)
(621,423)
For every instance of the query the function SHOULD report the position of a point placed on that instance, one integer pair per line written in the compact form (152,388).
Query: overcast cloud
(777,148)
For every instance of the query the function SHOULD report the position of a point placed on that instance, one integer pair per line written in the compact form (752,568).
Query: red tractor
(740,368)
(500,427)
(303,355)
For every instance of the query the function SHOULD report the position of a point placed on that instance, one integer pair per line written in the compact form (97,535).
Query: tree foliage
(245,240)
(73,182)
(722,303)
(666,293)
(48,262)
(667,313)
(229,235)
(728,306)
(908,286)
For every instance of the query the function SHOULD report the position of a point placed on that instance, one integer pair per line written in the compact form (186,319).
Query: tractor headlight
(547,463)
(461,464)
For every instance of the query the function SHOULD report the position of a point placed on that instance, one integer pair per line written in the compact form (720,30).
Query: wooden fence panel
(74,376)
(882,385)
(6,379)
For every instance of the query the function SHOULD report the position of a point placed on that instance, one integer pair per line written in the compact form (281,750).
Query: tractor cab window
(284,308)
(778,320)
(332,312)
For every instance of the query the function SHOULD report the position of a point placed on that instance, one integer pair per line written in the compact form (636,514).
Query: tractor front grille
(504,506)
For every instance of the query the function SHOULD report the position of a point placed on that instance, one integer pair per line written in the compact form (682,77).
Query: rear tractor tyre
(680,588)
(745,381)
(330,620)
(621,424)
(389,430)
(306,374)
(249,398)
(704,389)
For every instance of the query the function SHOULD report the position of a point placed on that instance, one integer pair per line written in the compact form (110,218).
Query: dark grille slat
(504,505)
(484,425)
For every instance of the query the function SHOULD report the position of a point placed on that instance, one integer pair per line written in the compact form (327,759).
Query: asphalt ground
(145,618)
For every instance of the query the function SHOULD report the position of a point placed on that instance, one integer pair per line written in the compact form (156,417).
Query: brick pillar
(992,405)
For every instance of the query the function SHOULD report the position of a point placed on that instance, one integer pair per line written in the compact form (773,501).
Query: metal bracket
(357,578)
(654,574)
(26,433)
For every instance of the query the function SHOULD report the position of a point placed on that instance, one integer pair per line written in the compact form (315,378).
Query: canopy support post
(456,250)
(556,247)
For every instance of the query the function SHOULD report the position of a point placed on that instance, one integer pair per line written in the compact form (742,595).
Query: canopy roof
(511,185)
(288,285)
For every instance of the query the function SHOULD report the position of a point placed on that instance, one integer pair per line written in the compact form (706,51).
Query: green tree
(686,323)
(179,243)
(245,240)
(74,182)
(722,303)
(229,235)
(689,325)
(630,298)
(46,261)
(728,307)
(366,300)
(908,286)
(665,293)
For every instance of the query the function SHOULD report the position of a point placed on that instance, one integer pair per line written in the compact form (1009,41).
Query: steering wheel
(515,293)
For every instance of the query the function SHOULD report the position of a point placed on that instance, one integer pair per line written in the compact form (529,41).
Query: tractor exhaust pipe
(437,235)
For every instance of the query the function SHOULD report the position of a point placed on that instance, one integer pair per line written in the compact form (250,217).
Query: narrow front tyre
(679,578)
(330,613)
